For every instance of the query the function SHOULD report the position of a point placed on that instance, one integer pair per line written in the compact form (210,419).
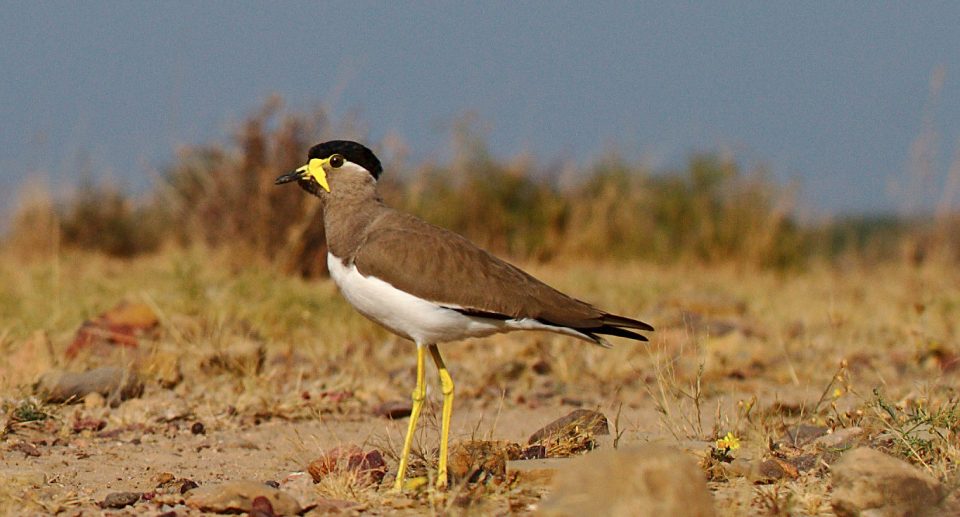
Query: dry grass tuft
(711,210)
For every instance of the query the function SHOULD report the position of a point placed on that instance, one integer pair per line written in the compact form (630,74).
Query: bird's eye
(336,161)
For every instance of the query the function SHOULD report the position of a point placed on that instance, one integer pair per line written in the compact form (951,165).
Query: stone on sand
(114,383)
(238,497)
(869,482)
(649,480)
(578,421)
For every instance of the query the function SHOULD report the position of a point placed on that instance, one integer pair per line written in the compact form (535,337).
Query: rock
(261,507)
(805,462)
(650,480)
(167,483)
(768,470)
(120,499)
(81,424)
(840,439)
(300,486)
(394,410)
(480,461)
(541,367)
(28,449)
(118,328)
(572,433)
(802,434)
(868,481)
(579,420)
(238,497)
(115,384)
(775,469)
(368,467)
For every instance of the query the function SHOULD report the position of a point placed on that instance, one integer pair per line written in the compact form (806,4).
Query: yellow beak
(313,170)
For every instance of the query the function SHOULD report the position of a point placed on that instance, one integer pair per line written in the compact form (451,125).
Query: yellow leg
(419,393)
(446,384)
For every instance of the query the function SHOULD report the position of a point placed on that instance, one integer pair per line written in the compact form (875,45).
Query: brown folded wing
(404,251)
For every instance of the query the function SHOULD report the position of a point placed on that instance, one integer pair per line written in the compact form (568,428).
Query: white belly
(422,321)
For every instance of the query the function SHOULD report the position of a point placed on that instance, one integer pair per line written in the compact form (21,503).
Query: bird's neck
(346,221)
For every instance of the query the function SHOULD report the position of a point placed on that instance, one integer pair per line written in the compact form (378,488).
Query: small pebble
(394,410)
(541,367)
(120,499)
(188,485)
(198,428)
(261,507)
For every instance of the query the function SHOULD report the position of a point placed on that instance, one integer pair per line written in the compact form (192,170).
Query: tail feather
(619,332)
(614,325)
(623,321)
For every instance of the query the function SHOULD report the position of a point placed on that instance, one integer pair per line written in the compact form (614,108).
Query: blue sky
(829,95)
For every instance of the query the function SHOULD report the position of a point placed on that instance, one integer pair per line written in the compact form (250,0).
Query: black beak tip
(286,178)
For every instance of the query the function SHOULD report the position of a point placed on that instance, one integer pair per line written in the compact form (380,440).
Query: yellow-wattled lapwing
(426,283)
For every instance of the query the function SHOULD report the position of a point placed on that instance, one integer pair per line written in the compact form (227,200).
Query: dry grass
(754,353)
(710,210)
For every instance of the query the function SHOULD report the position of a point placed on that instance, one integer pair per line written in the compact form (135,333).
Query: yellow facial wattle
(315,170)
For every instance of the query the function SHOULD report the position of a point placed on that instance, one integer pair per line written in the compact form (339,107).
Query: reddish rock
(776,469)
(369,466)
(28,449)
(121,326)
(88,424)
(261,507)
(480,460)
(394,410)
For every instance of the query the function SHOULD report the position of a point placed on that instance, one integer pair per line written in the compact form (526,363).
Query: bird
(428,284)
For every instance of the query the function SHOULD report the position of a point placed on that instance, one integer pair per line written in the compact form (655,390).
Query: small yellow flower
(729,442)
(837,393)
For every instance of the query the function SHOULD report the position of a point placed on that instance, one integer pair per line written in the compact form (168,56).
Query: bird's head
(332,164)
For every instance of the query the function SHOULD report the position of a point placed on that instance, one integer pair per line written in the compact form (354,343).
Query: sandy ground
(280,371)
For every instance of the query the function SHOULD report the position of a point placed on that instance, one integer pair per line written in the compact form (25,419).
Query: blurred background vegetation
(712,210)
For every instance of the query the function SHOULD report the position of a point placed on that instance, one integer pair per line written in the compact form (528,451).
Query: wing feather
(403,250)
